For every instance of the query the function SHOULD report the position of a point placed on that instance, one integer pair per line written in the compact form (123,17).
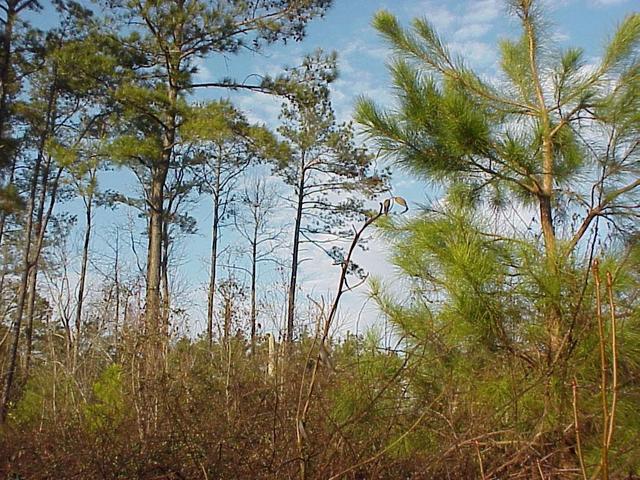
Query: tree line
(109,88)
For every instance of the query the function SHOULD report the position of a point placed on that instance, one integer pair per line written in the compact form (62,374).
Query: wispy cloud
(203,73)
(259,108)
(435,12)
(472,31)
(479,54)
(607,3)
(464,28)
(482,11)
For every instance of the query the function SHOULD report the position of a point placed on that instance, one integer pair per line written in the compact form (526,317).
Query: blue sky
(470,27)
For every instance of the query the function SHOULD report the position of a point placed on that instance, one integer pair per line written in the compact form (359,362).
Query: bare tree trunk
(22,293)
(166,300)
(291,305)
(154,251)
(83,272)
(116,280)
(32,283)
(254,271)
(27,263)
(43,221)
(215,226)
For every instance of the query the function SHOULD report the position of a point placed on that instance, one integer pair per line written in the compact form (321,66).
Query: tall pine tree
(167,39)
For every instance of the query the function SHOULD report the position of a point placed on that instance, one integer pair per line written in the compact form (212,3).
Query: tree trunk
(546,199)
(116,280)
(153,314)
(291,306)
(27,263)
(32,283)
(254,268)
(83,273)
(554,316)
(166,300)
(545,196)
(41,229)
(17,322)
(22,293)
(215,224)
(5,70)
(154,251)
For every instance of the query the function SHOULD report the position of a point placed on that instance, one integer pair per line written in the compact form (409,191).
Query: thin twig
(574,386)
(540,469)
(604,461)
(614,360)
(480,461)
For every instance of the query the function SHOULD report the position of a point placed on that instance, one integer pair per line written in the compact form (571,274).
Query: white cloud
(472,31)
(478,54)
(438,15)
(473,20)
(259,108)
(358,48)
(344,91)
(204,73)
(560,37)
(482,11)
(553,5)
(319,278)
(607,3)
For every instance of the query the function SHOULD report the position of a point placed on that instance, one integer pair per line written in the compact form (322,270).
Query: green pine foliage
(503,312)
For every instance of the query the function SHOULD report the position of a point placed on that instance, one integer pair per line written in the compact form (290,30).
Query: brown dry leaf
(402,202)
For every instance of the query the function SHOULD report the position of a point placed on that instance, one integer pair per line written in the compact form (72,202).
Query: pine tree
(503,305)
(15,45)
(224,145)
(167,38)
(58,116)
(330,175)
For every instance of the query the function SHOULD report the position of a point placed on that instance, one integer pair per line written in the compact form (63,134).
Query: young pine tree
(505,307)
